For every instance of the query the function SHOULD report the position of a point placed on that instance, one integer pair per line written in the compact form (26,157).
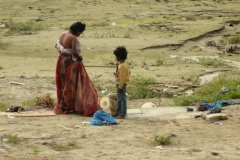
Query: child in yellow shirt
(122,80)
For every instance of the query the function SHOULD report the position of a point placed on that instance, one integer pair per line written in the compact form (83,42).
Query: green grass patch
(13,139)
(22,27)
(214,62)
(98,24)
(43,100)
(190,77)
(130,62)
(162,140)
(142,88)
(29,102)
(72,144)
(69,146)
(234,39)
(107,61)
(140,92)
(83,136)
(143,80)
(53,82)
(211,93)
(159,61)
(35,151)
(3,45)
(3,107)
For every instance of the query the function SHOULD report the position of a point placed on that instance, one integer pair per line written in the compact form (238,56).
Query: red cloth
(75,91)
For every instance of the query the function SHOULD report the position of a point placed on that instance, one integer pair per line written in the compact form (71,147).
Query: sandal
(120,117)
(114,115)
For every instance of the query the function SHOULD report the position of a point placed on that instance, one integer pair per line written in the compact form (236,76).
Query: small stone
(214,153)
(3,25)
(211,43)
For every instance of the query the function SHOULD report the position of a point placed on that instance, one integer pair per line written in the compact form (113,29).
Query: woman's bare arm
(74,48)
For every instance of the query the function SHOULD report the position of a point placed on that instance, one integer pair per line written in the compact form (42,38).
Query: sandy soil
(174,31)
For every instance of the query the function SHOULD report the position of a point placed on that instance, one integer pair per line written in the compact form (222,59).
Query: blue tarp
(100,117)
(217,104)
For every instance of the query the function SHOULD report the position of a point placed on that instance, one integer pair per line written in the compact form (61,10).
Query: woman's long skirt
(75,91)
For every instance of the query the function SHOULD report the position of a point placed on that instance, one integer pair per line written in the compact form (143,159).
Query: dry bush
(45,100)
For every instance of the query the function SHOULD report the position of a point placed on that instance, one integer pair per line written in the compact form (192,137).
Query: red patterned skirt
(75,91)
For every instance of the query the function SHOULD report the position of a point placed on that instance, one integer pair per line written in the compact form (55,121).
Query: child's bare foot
(120,117)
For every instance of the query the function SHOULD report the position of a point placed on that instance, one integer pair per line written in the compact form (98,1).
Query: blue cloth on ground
(217,104)
(100,117)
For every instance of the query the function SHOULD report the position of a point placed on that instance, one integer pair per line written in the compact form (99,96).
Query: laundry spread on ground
(218,104)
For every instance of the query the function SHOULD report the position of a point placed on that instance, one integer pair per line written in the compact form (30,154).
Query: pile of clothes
(102,118)
(217,106)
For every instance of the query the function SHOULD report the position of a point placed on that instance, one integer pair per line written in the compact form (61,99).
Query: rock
(148,105)
(214,153)
(22,76)
(3,25)
(211,43)
(231,47)
(216,117)
(37,19)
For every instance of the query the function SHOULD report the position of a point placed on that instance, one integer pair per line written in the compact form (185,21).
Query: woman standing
(75,91)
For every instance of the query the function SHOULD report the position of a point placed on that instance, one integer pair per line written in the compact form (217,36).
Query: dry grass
(45,100)
(194,150)
(66,147)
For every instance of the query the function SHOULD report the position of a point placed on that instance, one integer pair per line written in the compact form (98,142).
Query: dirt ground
(175,32)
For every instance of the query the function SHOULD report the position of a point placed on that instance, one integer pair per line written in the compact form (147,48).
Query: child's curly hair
(121,52)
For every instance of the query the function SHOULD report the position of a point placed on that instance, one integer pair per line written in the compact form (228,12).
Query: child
(122,80)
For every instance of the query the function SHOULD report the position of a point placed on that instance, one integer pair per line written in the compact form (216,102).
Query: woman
(75,91)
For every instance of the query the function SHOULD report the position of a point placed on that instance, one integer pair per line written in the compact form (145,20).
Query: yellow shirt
(123,75)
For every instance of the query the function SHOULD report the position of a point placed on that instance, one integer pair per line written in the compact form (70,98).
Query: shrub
(143,80)
(3,45)
(161,140)
(214,62)
(3,107)
(211,92)
(13,138)
(140,92)
(22,27)
(142,88)
(234,39)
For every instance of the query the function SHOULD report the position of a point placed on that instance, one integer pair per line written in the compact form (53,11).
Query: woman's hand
(119,90)
(79,58)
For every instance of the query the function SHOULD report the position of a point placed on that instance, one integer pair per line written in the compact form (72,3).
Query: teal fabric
(218,104)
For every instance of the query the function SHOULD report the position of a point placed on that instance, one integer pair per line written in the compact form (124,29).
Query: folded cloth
(100,117)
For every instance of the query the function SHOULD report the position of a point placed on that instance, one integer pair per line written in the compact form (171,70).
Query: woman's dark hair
(121,52)
(77,27)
